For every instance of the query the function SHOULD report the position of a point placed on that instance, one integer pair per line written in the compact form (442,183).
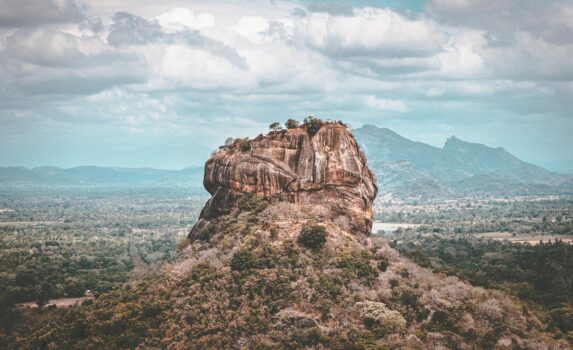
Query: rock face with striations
(325,167)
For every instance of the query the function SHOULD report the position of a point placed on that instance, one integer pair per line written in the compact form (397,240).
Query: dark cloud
(128,29)
(503,18)
(28,13)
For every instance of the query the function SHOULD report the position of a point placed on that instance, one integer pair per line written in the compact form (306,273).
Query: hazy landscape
(286,174)
(70,236)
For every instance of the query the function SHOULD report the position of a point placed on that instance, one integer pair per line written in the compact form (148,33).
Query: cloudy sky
(151,83)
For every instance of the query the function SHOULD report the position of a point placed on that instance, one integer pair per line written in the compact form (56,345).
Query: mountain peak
(320,167)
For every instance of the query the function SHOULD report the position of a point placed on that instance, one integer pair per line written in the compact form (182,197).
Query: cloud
(371,31)
(34,13)
(169,70)
(179,19)
(128,29)
(385,105)
(550,20)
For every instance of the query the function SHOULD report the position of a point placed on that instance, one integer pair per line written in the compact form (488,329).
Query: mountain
(93,176)
(410,168)
(287,264)
(403,167)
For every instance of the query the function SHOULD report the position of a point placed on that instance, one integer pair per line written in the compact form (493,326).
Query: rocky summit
(298,165)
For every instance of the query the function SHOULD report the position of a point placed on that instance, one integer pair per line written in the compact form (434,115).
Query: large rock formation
(324,167)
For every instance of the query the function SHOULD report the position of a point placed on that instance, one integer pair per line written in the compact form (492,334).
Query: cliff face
(326,168)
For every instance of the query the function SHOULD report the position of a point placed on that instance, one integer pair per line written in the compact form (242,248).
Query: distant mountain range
(408,168)
(93,176)
(403,167)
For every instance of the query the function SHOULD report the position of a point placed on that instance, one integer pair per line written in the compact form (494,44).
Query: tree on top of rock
(291,124)
(274,127)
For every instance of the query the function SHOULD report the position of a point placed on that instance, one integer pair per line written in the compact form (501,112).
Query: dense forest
(62,244)
(541,273)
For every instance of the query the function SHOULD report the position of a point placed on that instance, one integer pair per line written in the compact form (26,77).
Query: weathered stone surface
(326,168)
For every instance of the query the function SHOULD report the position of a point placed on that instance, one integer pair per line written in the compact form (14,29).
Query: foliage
(243,260)
(275,126)
(356,266)
(312,124)
(291,124)
(380,319)
(65,242)
(542,273)
(252,203)
(245,145)
(312,237)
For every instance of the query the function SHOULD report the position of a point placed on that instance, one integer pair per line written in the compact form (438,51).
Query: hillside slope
(278,269)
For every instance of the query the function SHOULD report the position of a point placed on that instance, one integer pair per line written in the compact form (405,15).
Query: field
(59,244)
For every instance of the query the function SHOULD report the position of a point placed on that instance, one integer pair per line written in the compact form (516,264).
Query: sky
(146,83)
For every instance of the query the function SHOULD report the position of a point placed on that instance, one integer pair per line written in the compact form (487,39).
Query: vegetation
(312,237)
(274,127)
(255,284)
(312,124)
(541,273)
(62,244)
(291,124)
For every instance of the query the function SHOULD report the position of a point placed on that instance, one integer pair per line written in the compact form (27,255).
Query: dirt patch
(60,302)
(532,239)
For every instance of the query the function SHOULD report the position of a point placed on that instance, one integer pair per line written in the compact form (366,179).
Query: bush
(312,125)
(291,124)
(312,237)
(252,202)
(380,319)
(243,260)
(383,265)
(245,145)
(562,317)
(356,266)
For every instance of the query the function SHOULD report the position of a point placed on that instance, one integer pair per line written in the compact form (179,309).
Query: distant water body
(386,228)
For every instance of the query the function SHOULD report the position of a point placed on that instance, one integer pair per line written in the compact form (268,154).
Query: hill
(408,168)
(282,258)
(403,167)
(93,176)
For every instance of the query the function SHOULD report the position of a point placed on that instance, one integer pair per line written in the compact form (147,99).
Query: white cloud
(385,105)
(180,18)
(172,67)
(252,28)
(371,31)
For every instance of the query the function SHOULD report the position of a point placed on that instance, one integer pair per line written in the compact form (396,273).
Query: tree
(313,124)
(229,141)
(43,295)
(275,126)
(291,124)
(312,237)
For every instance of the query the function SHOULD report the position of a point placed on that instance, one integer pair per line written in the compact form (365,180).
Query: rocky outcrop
(325,168)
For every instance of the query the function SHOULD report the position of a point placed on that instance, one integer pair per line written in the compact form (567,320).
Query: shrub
(356,266)
(252,202)
(275,126)
(291,124)
(380,319)
(243,260)
(383,265)
(562,317)
(312,237)
(245,145)
(183,243)
(312,125)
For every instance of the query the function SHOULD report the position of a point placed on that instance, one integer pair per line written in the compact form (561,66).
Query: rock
(293,319)
(326,168)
